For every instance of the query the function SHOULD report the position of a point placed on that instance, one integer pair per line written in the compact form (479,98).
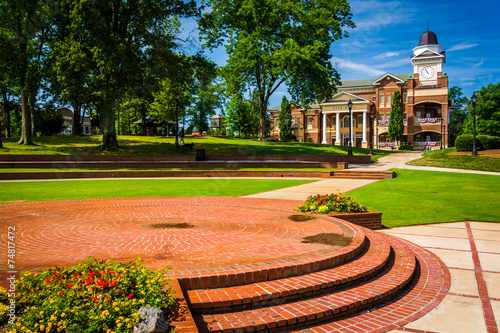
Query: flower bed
(343,207)
(92,296)
(331,203)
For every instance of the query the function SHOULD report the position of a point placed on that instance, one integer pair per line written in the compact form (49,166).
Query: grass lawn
(422,197)
(147,145)
(437,158)
(90,189)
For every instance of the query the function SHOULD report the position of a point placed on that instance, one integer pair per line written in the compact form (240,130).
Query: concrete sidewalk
(471,251)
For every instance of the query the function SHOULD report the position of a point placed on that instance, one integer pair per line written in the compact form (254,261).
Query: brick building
(424,103)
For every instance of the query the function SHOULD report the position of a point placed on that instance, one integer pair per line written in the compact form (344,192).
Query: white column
(364,126)
(337,128)
(324,128)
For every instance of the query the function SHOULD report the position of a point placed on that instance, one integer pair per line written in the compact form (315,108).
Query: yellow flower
(42,328)
(129,325)
(63,315)
(141,301)
(115,304)
(117,309)
(119,325)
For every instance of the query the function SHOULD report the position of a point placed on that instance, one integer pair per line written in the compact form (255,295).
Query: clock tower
(428,59)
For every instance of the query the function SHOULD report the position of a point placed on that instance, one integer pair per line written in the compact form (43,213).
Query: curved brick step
(289,289)
(295,315)
(276,270)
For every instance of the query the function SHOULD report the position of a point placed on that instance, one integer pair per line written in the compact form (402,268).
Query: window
(360,120)
(405,98)
(309,122)
(381,116)
(277,123)
(405,116)
(388,100)
(374,99)
(298,120)
(419,115)
(382,103)
(345,122)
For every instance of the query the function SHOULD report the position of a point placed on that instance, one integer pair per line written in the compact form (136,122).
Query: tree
(396,124)
(242,118)
(285,120)
(487,111)
(23,28)
(459,113)
(123,37)
(271,43)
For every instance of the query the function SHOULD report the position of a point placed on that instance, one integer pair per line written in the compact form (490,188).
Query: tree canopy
(487,111)
(396,123)
(285,120)
(272,43)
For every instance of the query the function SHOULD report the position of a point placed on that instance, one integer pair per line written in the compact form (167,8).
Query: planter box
(370,220)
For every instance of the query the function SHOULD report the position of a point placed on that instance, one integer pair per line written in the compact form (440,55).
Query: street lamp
(474,101)
(372,116)
(349,105)
(177,96)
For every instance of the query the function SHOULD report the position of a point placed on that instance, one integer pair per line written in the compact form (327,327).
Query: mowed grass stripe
(92,189)
(422,197)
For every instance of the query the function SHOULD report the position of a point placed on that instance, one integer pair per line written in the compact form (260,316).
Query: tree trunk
(6,110)
(26,121)
(108,127)
(32,115)
(77,124)
(262,111)
(143,123)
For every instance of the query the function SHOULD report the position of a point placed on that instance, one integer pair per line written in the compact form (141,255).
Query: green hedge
(406,147)
(483,142)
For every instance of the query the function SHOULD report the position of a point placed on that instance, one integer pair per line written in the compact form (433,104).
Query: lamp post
(474,101)
(349,105)
(177,96)
(401,141)
(372,116)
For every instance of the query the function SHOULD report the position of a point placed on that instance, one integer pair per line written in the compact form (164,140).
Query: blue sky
(387,31)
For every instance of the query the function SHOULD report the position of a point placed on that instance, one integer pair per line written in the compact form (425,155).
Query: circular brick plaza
(242,264)
(189,234)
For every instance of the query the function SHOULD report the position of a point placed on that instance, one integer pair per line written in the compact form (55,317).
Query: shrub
(406,147)
(464,142)
(488,142)
(92,296)
(483,142)
(330,203)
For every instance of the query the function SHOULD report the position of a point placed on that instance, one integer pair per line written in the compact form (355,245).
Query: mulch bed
(489,153)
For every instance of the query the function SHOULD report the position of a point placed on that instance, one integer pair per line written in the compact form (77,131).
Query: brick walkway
(253,264)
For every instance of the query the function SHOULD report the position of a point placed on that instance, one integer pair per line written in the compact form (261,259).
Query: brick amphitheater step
(379,273)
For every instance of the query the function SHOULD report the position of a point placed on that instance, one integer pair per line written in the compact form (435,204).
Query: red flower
(62,293)
(47,282)
(130,295)
(70,285)
(114,283)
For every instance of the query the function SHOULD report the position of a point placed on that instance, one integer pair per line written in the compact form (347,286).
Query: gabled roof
(343,97)
(368,82)
(398,80)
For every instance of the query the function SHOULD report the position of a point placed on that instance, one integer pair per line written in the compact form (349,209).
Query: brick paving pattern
(241,264)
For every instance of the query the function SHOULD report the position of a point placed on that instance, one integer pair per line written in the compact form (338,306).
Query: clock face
(427,72)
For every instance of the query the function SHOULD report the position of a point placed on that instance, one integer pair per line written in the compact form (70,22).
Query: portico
(336,109)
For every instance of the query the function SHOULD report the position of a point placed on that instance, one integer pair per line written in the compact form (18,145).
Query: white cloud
(461,46)
(393,63)
(370,70)
(479,63)
(389,54)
